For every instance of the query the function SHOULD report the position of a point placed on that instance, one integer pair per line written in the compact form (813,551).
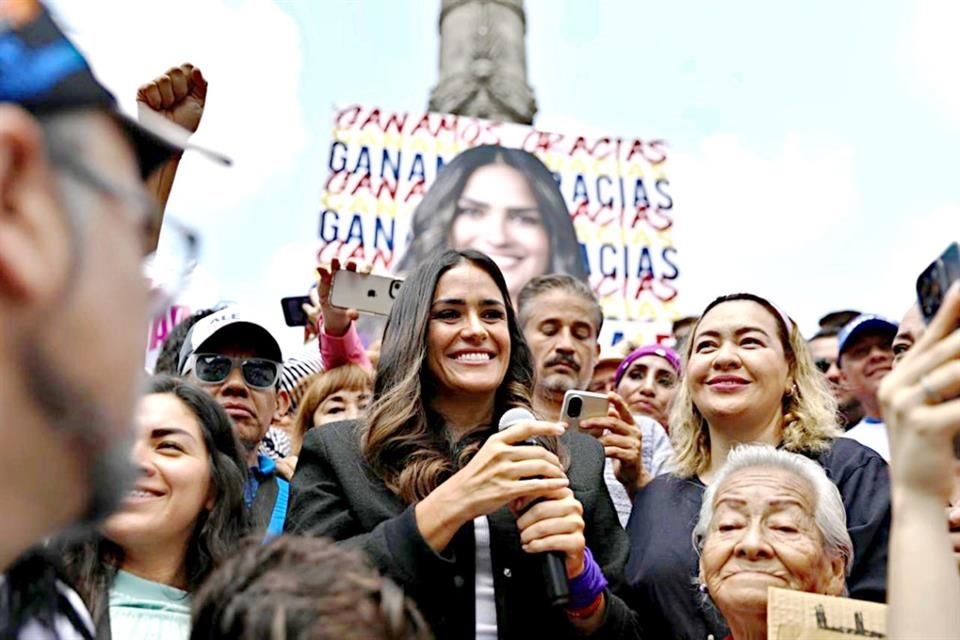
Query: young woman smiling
(440,499)
(183,517)
(748,379)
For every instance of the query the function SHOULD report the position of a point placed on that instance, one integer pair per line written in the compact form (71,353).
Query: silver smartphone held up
(582,405)
(364,292)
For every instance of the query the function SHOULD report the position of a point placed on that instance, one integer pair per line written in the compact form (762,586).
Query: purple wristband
(591,582)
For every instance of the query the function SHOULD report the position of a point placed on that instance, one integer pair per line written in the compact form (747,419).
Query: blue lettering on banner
(380,232)
(328,222)
(640,199)
(604,201)
(580,189)
(341,158)
(661,184)
(363,161)
(604,249)
(416,169)
(667,255)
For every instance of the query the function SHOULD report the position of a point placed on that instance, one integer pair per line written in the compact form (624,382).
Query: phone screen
(933,283)
(293,313)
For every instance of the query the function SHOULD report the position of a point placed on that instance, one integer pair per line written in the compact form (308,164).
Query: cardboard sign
(796,615)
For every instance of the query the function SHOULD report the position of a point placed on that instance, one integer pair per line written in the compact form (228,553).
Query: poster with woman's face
(498,215)
(404,187)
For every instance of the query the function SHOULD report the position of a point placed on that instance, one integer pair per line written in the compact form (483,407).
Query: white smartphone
(364,292)
(582,405)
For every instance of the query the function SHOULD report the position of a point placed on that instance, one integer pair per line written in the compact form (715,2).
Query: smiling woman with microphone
(489,533)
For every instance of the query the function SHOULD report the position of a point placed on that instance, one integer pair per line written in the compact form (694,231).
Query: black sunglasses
(213,368)
(822,364)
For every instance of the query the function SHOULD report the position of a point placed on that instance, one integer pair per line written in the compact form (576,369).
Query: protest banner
(616,234)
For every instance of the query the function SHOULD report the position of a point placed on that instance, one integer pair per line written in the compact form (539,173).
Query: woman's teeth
(475,357)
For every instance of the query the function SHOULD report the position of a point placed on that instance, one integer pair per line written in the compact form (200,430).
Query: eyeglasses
(214,368)
(166,270)
(822,364)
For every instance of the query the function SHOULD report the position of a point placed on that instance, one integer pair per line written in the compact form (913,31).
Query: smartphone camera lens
(574,407)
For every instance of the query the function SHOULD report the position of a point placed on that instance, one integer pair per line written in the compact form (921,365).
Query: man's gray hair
(829,513)
(555,282)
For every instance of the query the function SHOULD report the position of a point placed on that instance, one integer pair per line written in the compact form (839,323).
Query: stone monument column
(483,62)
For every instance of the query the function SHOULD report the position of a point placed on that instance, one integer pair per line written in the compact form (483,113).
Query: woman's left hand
(554,524)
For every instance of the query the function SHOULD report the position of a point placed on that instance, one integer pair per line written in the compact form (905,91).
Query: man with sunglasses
(76,228)
(231,355)
(825,350)
(865,359)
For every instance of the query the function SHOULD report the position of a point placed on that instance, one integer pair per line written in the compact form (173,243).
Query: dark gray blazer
(334,494)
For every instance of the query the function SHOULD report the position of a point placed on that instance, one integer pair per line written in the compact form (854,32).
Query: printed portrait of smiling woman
(505,203)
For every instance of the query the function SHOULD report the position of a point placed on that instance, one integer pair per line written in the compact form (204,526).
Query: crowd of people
(428,484)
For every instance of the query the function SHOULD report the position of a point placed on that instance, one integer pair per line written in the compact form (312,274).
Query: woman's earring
(702,588)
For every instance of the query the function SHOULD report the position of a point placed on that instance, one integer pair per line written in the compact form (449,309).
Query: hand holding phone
(933,283)
(293,310)
(364,292)
(583,405)
(336,319)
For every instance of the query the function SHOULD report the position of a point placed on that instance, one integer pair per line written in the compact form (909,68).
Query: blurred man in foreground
(75,227)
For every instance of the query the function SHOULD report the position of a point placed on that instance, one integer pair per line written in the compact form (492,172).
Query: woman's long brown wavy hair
(404,441)
(809,410)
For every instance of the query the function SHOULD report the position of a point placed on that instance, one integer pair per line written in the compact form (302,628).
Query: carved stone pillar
(483,62)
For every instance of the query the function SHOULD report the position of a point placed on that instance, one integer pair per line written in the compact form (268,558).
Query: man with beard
(561,321)
(866,357)
(75,225)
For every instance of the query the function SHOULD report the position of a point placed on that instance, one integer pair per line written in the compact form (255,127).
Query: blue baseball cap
(43,72)
(864,324)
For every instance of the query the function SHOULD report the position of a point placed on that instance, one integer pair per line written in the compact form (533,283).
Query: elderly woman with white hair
(771,518)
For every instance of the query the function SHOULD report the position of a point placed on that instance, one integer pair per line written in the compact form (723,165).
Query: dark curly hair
(90,565)
(264,592)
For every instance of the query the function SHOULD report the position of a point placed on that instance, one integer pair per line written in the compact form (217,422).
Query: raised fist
(178,95)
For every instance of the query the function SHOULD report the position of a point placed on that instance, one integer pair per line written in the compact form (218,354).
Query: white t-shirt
(871,432)
(486,603)
(657,454)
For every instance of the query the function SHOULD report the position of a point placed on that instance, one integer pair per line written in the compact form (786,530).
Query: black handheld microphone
(553,566)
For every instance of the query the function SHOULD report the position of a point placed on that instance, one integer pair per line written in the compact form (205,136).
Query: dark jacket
(663,563)
(334,494)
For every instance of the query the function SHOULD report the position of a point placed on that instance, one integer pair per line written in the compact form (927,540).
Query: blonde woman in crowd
(748,379)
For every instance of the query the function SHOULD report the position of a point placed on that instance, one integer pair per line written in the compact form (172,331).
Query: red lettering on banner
(399,122)
(665,292)
(597,217)
(363,183)
(653,216)
(541,141)
(418,189)
(607,286)
(659,154)
(372,117)
(346,118)
(423,123)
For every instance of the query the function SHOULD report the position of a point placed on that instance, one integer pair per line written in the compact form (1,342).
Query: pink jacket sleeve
(347,349)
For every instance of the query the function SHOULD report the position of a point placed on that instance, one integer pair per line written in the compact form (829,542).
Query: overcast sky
(814,144)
